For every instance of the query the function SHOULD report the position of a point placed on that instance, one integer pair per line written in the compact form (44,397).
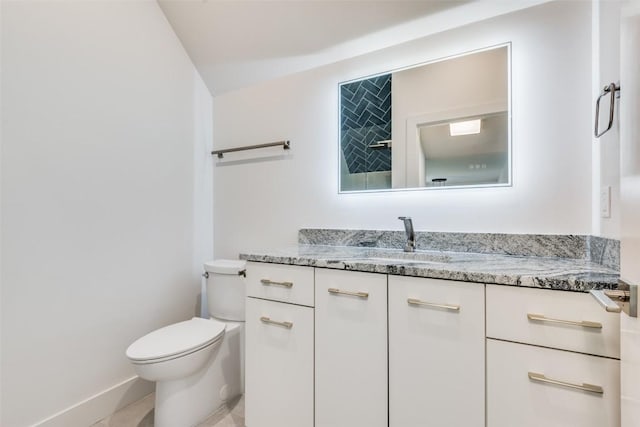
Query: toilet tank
(226,289)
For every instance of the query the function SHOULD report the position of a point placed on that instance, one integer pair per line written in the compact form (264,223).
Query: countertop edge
(540,281)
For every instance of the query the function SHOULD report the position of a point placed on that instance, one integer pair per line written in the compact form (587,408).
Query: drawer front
(279,364)
(279,282)
(528,316)
(436,353)
(351,349)
(513,399)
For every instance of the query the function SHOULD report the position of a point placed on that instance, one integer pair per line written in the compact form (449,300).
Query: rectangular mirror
(442,124)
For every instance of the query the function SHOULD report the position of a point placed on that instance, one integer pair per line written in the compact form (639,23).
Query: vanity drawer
(514,399)
(280,282)
(559,319)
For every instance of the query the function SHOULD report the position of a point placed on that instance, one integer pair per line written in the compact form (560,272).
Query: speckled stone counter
(590,248)
(558,273)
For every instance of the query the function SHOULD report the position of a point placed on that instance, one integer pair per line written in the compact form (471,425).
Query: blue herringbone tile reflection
(365,119)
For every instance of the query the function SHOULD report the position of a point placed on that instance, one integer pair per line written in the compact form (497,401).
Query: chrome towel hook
(614,90)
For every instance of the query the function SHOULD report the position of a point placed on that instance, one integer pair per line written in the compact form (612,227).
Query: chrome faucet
(410,246)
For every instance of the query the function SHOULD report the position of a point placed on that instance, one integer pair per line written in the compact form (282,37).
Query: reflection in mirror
(441,124)
(365,131)
(469,152)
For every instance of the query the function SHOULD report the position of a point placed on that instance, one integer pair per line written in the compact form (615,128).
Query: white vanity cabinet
(351,349)
(436,353)
(279,346)
(337,348)
(551,360)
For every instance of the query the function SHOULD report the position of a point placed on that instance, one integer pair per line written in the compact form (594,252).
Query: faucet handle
(403,218)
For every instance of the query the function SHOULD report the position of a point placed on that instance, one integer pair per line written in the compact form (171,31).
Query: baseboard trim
(100,405)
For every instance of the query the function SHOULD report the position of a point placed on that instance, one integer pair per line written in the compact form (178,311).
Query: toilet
(198,364)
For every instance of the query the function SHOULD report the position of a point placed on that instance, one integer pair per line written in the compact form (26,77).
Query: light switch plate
(605,202)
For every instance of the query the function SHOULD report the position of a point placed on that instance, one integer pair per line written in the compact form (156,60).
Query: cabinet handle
(584,386)
(267,282)
(414,301)
(267,320)
(583,323)
(335,291)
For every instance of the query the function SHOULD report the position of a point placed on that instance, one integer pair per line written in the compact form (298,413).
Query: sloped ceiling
(236,43)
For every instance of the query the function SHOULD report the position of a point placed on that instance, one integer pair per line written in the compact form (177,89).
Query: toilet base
(185,402)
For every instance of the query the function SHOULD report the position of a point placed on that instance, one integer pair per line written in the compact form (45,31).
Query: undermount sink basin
(409,257)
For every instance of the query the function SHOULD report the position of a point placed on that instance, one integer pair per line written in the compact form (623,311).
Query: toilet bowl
(197,364)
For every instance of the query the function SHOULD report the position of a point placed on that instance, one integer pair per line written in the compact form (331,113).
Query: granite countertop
(527,271)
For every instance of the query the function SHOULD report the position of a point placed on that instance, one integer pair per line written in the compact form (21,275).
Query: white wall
(263,203)
(106,200)
(606,69)
(1,210)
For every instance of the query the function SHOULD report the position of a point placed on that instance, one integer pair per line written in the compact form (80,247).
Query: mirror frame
(509,183)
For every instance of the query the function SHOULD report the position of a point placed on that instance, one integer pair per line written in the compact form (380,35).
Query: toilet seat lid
(225,266)
(172,340)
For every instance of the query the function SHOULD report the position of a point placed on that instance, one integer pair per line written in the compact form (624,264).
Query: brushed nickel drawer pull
(335,291)
(583,323)
(584,386)
(414,301)
(267,282)
(267,320)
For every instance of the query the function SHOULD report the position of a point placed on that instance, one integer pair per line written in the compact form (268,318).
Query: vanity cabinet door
(279,364)
(436,353)
(351,349)
(529,386)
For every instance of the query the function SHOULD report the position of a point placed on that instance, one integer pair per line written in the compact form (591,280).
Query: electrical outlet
(605,202)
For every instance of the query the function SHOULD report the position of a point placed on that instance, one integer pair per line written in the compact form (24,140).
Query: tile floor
(140,414)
